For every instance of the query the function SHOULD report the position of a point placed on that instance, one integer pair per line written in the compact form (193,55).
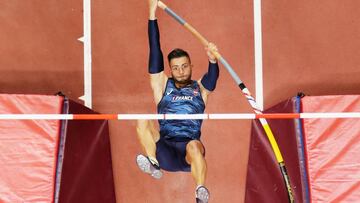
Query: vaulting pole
(245,91)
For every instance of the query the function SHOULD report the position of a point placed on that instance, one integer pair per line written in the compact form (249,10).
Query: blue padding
(156,59)
(210,78)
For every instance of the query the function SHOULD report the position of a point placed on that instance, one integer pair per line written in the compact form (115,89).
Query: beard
(183,80)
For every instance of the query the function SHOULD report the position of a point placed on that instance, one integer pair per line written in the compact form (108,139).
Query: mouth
(182,79)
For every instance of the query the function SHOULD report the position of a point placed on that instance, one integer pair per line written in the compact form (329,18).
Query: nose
(181,70)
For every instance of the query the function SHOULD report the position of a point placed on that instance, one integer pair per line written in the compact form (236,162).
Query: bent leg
(148,136)
(195,157)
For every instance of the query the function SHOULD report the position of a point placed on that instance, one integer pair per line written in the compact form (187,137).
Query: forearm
(152,15)
(209,80)
(152,9)
(156,59)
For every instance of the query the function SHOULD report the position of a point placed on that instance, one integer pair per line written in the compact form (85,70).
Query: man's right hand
(152,9)
(210,48)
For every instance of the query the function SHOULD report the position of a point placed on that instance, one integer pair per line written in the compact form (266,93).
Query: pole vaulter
(246,93)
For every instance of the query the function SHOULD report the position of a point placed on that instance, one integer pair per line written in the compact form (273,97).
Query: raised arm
(156,60)
(209,80)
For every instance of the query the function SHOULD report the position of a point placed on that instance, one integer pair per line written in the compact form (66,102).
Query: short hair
(177,53)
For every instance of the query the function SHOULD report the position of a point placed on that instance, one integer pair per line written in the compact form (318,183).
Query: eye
(185,66)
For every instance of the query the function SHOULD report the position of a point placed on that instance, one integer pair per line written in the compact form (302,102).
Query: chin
(183,81)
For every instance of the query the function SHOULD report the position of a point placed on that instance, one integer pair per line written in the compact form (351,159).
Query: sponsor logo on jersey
(169,92)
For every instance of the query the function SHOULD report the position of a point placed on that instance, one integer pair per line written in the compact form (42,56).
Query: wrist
(152,14)
(212,60)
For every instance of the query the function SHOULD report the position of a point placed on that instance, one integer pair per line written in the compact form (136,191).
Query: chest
(185,94)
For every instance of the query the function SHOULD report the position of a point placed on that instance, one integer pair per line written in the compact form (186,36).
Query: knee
(194,149)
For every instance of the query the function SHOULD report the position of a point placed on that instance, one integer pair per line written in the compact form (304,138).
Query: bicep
(158,83)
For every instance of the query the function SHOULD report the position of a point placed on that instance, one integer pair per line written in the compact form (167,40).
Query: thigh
(154,130)
(148,126)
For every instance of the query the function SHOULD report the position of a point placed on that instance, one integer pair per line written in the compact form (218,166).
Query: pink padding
(333,149)
(28,149)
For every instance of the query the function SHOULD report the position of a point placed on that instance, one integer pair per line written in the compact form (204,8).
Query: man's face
(181,70)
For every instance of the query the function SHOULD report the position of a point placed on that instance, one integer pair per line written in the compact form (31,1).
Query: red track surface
(307,46)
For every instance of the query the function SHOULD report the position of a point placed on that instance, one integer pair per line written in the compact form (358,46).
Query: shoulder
(170,82)
(196,83)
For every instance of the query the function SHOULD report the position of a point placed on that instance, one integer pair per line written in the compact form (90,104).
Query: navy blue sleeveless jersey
(185,100)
